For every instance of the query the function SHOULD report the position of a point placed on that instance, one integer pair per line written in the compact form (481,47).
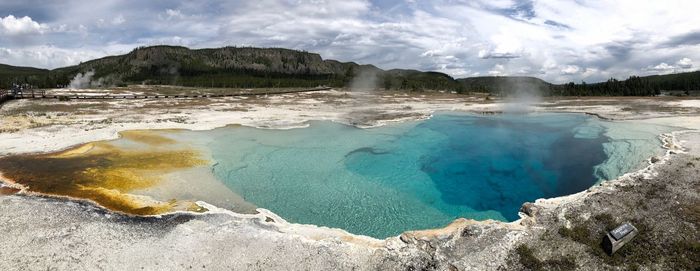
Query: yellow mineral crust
(105,173)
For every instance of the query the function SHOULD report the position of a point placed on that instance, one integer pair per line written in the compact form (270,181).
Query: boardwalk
(6,95)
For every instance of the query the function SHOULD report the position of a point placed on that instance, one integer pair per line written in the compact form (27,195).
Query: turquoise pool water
(417,175)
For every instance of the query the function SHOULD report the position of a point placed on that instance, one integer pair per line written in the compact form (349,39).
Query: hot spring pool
(422,174)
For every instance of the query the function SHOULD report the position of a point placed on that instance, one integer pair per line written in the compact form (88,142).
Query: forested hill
(233,67)
(9,74)
(632,86)
(247,67)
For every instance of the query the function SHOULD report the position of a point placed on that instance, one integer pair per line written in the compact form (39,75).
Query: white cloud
(685,63)
(174,40)
(11,25)
(570,69)
(53,57)
(589,72)
(172,14)
(582,33)
(559,41)
(662,67)
(118,20)
(497,70)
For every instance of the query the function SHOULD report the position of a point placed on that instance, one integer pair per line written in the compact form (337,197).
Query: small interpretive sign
(618,237)
(621,231)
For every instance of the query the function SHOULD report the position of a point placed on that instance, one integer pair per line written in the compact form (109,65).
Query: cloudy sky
(559,41)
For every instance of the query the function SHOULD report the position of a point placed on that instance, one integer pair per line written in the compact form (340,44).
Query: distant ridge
(237,67)
(248,67)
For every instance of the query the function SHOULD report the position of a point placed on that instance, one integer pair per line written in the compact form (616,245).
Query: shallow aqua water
(417,175)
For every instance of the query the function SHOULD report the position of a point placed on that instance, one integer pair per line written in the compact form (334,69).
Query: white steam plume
(363,83)
(82,80)
(521,95)
(366,80)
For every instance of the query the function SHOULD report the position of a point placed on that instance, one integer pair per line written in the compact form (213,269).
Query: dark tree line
(632,86)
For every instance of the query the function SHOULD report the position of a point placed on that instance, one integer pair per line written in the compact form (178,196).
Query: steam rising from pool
(365,80)
(520,97)
(81,80)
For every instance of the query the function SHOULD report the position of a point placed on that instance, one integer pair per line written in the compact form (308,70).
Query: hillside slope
(10,74)
(245,67)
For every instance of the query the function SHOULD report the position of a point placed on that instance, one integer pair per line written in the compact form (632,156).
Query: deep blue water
(493,163)
(383,181)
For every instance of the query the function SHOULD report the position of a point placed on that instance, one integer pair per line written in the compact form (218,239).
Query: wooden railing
(37,94)
(5,95)
(30,93)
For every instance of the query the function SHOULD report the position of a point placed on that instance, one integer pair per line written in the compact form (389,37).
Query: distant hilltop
(247,67)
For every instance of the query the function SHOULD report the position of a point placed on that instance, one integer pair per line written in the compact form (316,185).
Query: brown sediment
(4,190)
(104,173)
(148,137)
